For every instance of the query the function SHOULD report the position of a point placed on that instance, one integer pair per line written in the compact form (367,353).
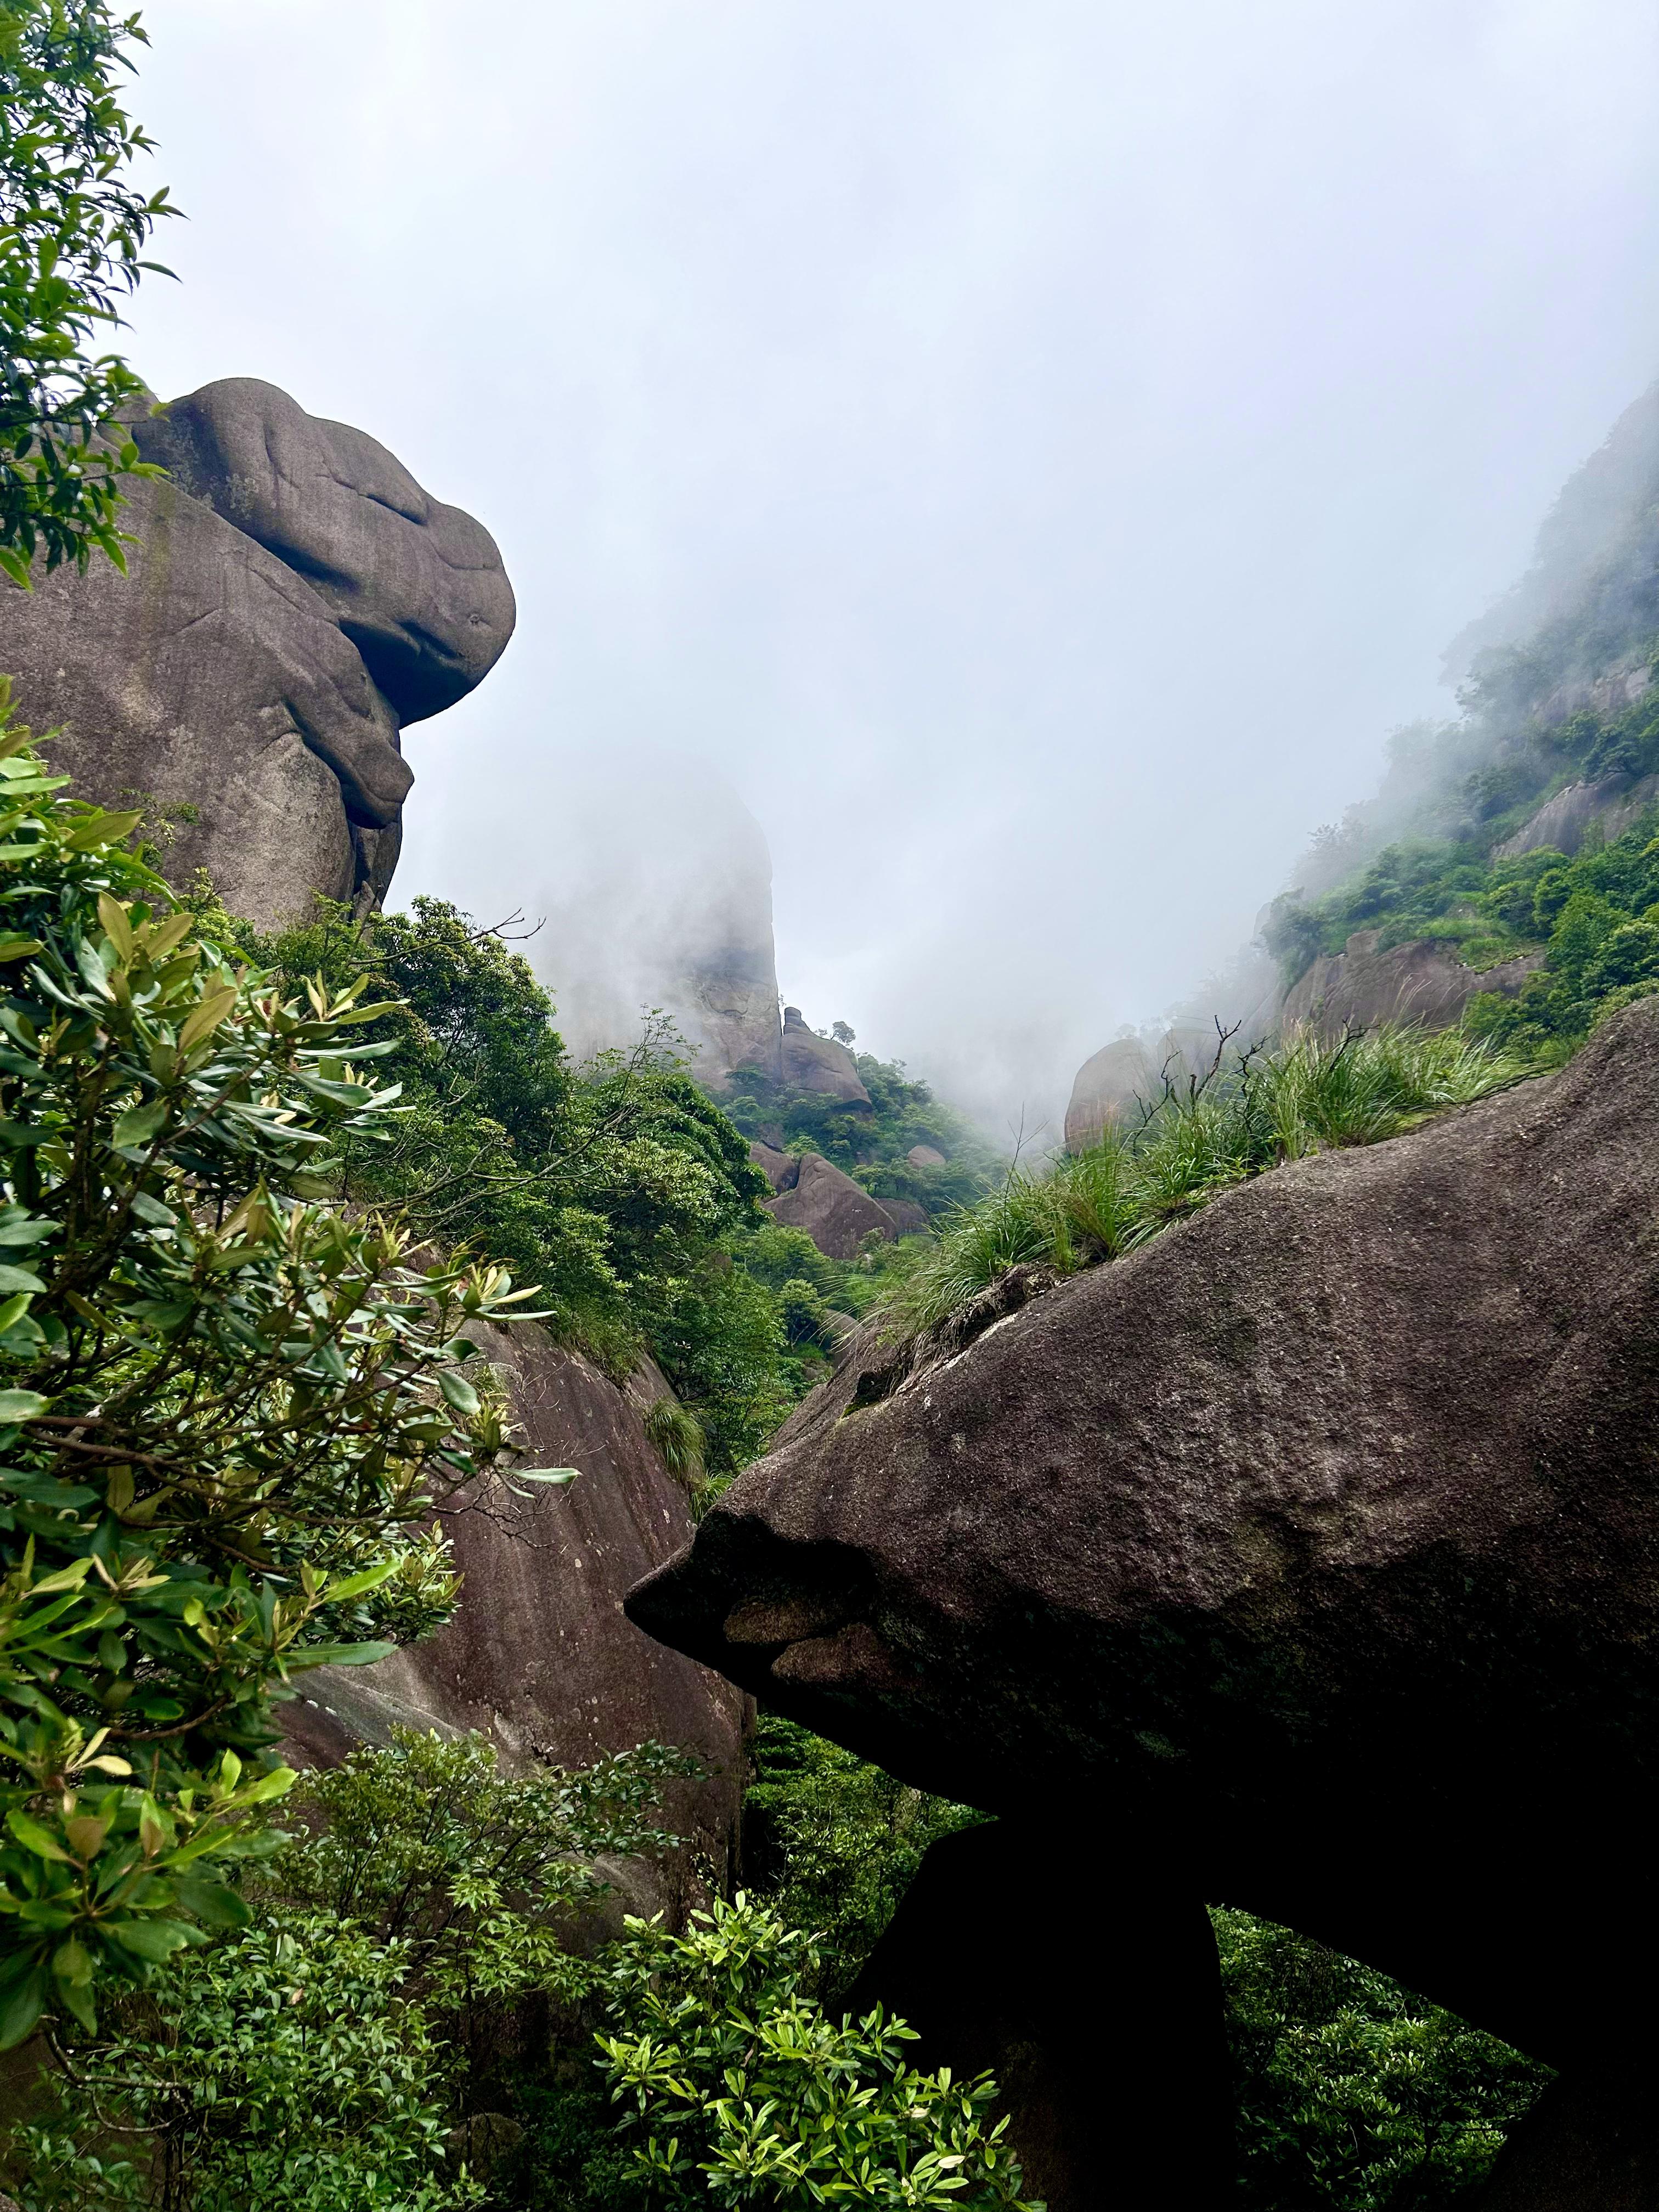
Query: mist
(1031,458)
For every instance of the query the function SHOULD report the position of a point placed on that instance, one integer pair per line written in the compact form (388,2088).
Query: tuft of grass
(677,1434)
(1250,1114)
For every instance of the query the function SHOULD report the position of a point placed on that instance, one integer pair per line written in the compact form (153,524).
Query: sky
(1033,454)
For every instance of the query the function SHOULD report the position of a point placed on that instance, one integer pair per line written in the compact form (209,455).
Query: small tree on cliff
(72,235)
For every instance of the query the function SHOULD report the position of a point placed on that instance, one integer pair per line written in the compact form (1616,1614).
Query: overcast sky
(1036,451)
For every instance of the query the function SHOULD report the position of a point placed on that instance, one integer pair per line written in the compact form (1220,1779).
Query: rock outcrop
(540,1656)
(1105,1088)
(811,1192)
(1096,2095)
(811,1062)
(1422,981)
(1609,807)
(293,600)
(1306,1560)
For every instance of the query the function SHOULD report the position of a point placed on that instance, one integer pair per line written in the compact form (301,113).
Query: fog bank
(1035,456)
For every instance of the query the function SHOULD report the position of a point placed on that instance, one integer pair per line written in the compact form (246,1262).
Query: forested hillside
(1525,826)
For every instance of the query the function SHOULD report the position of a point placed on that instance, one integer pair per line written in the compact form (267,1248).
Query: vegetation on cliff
(72,236)
(228,1410)
(616,1185)
(1251,1112)
(872,1144)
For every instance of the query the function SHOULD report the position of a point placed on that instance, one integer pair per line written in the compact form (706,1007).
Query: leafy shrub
(287,2070)
(832,1843)
(745,2092)
(229,1409)
(1353,2094)
(72,232)
(321,2060)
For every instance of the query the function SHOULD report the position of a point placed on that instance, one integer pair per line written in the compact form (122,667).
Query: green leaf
(458,1393)
(139,1125)
(214,1904)
(339,1655)
(21,1405)
(34,1838)
(116,928)
(206,1018)
(27,2002)
(19,1279)
(152,1940)
(558,1476)
(14,947)
(12,1311)
(101,829)
(367,1579)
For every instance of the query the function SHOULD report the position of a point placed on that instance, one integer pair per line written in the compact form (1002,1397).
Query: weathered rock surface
(417,587)
(1565,821)
(925,1156)
(1311,1553)
(811,1062)
(780,1167)
(1105,1087)
(837,1213)
(540,1656)
(1122,2103)
(1423,981)
(907,1217)
(219,679)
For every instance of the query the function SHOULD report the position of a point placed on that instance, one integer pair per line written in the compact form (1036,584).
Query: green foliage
(476,1873)
(618,1186)
(317,2062)
(1598,916)
(227,1411)
(72,232)
(833,1842)
(1250,1115)
(871,1144)
(743,2091)
(284,2071)
(1352,2093)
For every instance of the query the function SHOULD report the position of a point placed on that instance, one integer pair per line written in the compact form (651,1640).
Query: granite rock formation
(811,1192)
(815,1063)
(1105,1087)
(1609,807)
(1118,2103)
(1309,1556)
(540,1656)
(294,599)
(1422,981)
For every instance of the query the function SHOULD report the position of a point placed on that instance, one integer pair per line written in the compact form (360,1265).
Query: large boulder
(1104,1092)
(1103,2029)
(417,587)
(213,686)
(1310,1553)
(1422,981)
(811,1192)
(540,1656)
(811,1062)
(249,678)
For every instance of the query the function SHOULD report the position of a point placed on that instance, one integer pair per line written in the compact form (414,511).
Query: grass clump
(1253,1111)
